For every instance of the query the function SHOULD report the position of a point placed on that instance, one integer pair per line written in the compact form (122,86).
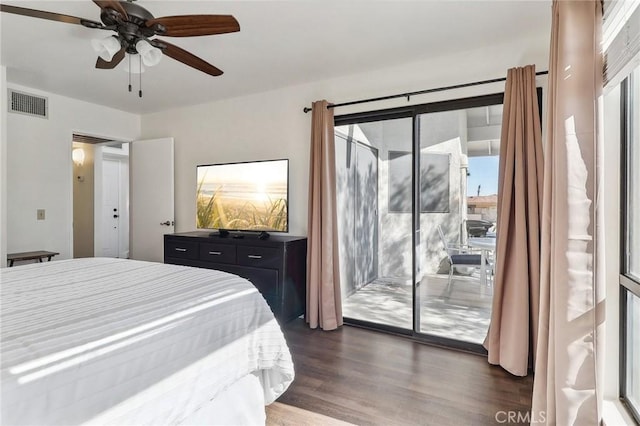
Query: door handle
(167,223)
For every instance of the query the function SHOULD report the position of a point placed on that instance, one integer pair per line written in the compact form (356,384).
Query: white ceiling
(281,43)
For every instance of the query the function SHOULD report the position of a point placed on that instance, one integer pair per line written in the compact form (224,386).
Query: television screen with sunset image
(248,196)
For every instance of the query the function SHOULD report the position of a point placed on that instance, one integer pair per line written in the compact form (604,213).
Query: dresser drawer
(259,257)
(220,253)
(265,280)
(181,248)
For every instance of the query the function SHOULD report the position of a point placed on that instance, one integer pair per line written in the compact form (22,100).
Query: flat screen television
(249,196)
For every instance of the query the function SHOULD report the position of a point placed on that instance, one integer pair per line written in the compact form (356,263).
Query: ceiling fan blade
(45,15)
(117,58)
(112,4)
(196,25)
(190,59)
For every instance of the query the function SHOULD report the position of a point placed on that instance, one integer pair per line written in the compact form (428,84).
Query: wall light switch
(40,213)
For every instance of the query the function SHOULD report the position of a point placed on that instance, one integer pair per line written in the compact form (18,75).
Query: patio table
(486,245)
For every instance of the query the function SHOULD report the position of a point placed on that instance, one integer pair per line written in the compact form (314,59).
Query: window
(632,353)
(630,262)
(633,176)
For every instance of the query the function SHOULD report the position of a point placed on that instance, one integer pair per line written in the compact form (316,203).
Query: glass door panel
(375,222)
(458,205)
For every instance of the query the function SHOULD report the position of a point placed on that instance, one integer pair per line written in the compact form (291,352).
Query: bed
(114,341)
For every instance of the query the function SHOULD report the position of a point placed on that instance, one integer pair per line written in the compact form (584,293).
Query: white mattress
(127,342)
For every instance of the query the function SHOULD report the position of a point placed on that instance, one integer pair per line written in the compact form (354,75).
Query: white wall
(272,125)
(39,168)
(83,200)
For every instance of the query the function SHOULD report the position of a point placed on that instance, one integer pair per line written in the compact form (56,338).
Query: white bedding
(242,403)
(112,341)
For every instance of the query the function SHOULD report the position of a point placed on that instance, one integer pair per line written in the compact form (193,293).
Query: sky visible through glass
(483,172)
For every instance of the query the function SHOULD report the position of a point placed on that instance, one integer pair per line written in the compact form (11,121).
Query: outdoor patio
(463,314)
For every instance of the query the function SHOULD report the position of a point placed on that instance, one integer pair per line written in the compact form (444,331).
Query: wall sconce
(78,156)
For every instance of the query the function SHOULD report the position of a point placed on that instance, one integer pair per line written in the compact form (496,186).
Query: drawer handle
(215,253)
(180,249)
(254,256)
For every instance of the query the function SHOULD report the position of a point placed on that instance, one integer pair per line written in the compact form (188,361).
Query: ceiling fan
(135,26)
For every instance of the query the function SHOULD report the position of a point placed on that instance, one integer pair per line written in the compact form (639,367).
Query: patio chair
(462,256)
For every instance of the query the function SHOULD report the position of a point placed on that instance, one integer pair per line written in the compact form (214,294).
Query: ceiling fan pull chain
(140,91)
(129,60)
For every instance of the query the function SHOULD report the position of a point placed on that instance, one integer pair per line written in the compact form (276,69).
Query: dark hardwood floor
(367,377)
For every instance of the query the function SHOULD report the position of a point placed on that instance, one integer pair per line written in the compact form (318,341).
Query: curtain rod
(420,92)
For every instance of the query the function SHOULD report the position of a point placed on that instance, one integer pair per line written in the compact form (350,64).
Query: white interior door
(151,209)
(110,208)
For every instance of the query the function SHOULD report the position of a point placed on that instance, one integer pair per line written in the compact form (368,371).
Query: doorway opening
(100,197)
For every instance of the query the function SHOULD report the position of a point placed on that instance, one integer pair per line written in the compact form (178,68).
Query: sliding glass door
(416,187)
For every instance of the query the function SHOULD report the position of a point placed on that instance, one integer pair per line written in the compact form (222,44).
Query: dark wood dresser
(277,266)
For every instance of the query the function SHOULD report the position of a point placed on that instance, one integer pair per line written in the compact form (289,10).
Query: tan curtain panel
(566,389)
(514,315)
(324,304)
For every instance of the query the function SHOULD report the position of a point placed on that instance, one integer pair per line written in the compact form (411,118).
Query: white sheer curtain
(566,385)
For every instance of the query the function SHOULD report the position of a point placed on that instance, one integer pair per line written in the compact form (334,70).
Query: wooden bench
(30,255)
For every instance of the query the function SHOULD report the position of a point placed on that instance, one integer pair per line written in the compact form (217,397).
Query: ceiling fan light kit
(106,47)
(150,55)
(135,28)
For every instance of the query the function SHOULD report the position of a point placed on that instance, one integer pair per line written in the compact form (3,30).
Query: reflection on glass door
(366,214)
(375,240)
